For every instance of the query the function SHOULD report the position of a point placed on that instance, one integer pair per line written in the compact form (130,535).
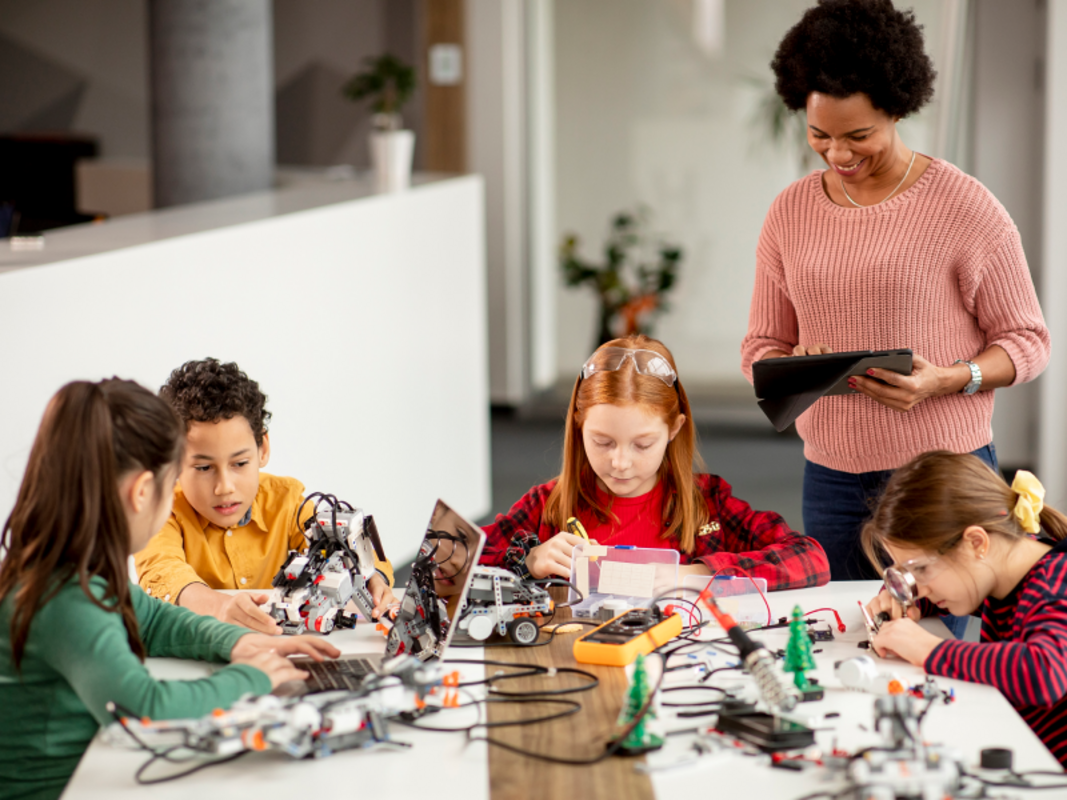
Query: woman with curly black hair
(885,248)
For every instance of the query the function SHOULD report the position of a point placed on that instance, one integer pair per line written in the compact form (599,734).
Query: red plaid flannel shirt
(759,542)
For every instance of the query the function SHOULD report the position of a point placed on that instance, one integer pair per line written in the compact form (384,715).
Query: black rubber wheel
(523,631)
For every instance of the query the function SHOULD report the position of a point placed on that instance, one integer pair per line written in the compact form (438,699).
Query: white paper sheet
(627,580)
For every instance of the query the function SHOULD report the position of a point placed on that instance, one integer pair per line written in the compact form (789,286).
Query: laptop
(433,598)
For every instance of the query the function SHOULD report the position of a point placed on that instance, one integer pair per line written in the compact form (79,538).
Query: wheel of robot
(523,631)
(481,628)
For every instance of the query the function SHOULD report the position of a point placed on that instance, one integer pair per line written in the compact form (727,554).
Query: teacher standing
(886,248)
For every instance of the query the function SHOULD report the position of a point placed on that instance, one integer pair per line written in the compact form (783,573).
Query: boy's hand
(252,644)
(907,639)
(382,595)
(554,556)
(238,609)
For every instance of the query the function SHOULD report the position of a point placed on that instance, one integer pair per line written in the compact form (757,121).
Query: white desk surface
(444,766)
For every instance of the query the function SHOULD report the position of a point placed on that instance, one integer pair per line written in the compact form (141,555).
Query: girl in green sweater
(74,632)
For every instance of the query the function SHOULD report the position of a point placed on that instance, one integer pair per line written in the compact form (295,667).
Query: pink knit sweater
(939,268)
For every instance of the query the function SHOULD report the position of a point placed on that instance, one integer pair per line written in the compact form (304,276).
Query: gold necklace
(906,174)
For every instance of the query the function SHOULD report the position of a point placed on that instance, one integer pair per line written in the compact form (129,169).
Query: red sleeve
(1030,670)
(516,532)
(759,542)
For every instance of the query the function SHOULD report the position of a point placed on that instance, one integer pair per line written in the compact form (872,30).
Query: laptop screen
(440,580)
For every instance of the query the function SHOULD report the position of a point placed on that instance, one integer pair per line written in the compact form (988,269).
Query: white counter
(362,317)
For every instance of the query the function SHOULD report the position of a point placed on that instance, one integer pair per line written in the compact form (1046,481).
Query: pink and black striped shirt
(1023,651)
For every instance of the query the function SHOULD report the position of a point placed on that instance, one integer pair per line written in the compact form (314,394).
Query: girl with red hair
(628,453)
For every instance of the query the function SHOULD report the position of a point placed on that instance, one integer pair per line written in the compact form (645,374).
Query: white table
(442,761)
(443,766)
(980,717)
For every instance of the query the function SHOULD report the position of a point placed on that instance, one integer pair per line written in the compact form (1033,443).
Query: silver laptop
(433,599)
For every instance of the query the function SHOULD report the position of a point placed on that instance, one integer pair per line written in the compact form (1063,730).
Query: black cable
(710,672)
(613,747)
(572,707)
(527,671)
(723,692)
(1022,776)
(165,755)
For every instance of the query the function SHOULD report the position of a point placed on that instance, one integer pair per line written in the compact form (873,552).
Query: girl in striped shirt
(978,546)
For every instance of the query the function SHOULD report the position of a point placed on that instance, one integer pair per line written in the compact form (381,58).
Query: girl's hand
(904,392)
(254,644)
(554,556)
(883,601)
(276,667)
(382,595)
(906,639)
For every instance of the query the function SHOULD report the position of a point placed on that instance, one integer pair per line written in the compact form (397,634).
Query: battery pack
(619,641)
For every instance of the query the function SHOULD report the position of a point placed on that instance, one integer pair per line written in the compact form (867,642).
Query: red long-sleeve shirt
(759,542)
(1023,651)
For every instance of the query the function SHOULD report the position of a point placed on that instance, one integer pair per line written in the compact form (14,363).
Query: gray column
(212,73)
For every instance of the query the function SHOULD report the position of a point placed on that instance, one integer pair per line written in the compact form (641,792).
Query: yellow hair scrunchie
(1031,500)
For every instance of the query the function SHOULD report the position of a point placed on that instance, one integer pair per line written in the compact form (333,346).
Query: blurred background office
(573,111)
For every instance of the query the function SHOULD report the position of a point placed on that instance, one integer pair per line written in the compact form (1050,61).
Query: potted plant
(389,82)
(634,280)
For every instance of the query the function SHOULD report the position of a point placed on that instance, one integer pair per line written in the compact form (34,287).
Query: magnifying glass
(901,585)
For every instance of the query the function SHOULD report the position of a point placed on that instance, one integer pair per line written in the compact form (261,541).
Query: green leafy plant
(632,283)
(389,82)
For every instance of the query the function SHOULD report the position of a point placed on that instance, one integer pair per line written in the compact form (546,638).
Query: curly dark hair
(209,391)
(841,47)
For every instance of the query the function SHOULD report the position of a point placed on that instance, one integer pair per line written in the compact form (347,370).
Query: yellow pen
(575,527)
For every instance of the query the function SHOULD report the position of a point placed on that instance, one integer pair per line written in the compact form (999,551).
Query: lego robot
(421,623)
(501,602)
(313,587)
(312,726)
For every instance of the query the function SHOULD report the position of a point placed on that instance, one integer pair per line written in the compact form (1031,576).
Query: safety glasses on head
(646,362)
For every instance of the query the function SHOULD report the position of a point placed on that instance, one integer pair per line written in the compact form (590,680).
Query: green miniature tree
(798,657)
(641,738)
(390,82)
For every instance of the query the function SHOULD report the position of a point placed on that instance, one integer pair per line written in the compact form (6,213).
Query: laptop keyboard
(341,674)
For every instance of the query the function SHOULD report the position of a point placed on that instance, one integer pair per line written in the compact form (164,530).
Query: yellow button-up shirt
(190,549)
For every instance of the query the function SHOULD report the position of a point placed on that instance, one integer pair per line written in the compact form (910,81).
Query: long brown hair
(684,508)
(69,520)
(930,501)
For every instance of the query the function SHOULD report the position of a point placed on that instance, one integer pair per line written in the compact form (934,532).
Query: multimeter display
(618,642)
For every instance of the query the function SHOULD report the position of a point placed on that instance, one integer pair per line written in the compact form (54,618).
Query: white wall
(1008,157)
(369,339)
(643,116)
(1052,444)
(496,149)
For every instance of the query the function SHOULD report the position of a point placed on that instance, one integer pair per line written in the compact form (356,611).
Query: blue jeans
(836,504)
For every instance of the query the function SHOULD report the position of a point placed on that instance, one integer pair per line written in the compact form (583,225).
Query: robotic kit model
(501,602)
(421,625)
(312,588)
(315,725)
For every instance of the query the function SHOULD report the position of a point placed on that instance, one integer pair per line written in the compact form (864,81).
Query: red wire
(840,625)
(770,619)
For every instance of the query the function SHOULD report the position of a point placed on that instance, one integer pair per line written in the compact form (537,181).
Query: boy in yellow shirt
(232,526)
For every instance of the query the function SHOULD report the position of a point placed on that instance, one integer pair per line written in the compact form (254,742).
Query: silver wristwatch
(976,377)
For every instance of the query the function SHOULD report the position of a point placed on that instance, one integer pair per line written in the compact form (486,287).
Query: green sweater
(78,658)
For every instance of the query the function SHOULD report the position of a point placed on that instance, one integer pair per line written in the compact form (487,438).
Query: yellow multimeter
(618,642)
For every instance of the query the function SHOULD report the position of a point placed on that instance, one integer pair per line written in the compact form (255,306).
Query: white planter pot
(390,155)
